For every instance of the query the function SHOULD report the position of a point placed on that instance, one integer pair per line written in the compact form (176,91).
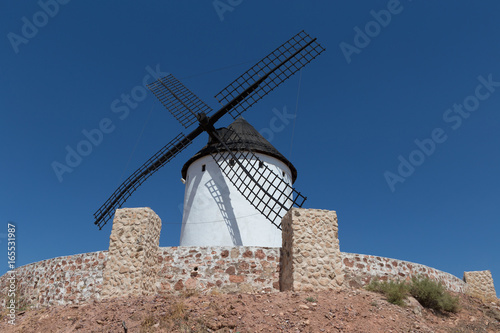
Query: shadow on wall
(221,197)
(188,202)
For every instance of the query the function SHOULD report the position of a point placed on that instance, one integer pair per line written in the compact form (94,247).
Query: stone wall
(79,278)
(359,269)
(133,253)
(64,280)
(480,284)
(309,259)
(310,252)
(224,269)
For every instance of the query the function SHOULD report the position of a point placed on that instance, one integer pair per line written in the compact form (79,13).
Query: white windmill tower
(245,182)
(216,213)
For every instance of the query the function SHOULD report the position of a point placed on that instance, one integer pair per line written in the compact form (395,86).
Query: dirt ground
(330,311)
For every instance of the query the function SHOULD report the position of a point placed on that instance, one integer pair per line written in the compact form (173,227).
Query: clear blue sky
(362,104)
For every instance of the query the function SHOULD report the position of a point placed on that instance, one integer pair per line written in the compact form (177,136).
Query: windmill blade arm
(268,73)
(125,190)
(178,100)
(261,186)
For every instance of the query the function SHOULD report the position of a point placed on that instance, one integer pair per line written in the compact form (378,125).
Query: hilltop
(347,310)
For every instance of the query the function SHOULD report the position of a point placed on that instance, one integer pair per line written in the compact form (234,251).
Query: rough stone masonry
(310,252)
(310,259)
(480,284)
(133,253)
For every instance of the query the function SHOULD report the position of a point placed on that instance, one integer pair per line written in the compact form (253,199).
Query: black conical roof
(251,137)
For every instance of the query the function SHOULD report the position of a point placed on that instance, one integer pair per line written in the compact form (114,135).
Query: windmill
(262,187)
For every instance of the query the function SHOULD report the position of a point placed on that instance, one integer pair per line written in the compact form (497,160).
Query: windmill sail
(178,100)
(125,190)
(269,73)
(261,186)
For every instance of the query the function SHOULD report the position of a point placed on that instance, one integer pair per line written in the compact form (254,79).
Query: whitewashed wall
(216,214)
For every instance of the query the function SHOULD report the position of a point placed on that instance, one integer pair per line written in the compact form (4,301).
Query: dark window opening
(203,167)
(232,162)
(261,164)
(283,173)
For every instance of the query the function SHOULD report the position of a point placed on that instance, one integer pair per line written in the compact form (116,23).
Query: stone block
(131,268)
(480,284)
(303,231)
